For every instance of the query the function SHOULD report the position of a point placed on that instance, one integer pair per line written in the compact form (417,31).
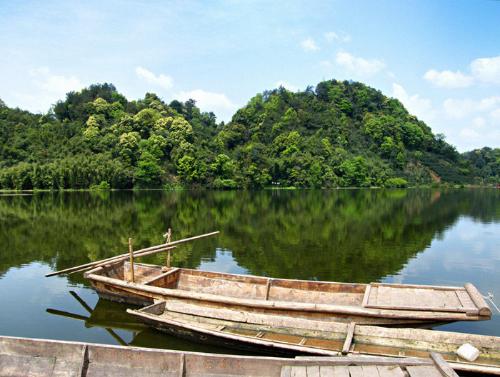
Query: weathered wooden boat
(280,335)
(38,357)
(375,303)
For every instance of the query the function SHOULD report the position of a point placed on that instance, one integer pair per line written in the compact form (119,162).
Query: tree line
(338,134)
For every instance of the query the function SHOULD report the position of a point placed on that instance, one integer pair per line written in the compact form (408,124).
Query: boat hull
(323,338)
(361,303)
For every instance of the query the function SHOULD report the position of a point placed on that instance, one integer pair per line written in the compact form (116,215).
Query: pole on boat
(168,239)
(131,251)
(118,258)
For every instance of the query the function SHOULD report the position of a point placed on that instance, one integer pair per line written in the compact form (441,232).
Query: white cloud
(478,122)
(468,133)
(48,88)
(326,64)
(357,65)
(448,79)
(332,36)
(309,45)
(421,107)
(219,103)
(487,69)
(161,80)
(495,115)
(461,108)
(488,103)
(54,84)
(287,86)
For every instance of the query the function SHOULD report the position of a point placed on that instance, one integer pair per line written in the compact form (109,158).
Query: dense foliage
(337,135)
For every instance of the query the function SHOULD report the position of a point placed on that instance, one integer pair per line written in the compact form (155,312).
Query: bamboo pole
(137,254)
(119,257)
(131,252)
(168,240)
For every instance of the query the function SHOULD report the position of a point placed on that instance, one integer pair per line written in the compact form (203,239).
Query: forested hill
(338,134)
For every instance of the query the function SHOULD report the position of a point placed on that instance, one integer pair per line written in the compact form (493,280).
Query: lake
(442,237)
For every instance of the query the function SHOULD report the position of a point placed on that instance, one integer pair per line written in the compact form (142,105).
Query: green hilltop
(338,134)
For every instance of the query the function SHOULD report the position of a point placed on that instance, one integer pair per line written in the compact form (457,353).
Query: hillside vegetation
(339,134)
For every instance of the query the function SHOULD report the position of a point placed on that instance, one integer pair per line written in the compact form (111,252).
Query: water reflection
(420,236)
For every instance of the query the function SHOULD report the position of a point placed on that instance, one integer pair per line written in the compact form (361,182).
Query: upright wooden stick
(131,251)
(168,240)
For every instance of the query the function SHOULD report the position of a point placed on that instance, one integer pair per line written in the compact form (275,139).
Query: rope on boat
(490,298)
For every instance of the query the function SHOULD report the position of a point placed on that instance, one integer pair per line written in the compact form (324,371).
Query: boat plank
(370,370)
(372,300)
(423,371)
(451,299)
(298,371)
(26,365)
(313,371)
(286,371)
(419,286)
(301,295)
(221,286)
(390,371)
(465,300)
(348,339)
(442,365)
(414,299)
(366,296)
(357,371)
(384,296)
(334,371)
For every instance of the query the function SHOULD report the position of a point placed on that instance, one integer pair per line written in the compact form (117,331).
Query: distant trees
(338,134)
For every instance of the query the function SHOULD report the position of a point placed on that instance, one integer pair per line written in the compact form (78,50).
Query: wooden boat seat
(443,299)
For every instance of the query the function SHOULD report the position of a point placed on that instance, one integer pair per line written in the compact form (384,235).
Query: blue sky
(440,58)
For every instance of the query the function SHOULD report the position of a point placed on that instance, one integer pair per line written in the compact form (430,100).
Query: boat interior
(239,286)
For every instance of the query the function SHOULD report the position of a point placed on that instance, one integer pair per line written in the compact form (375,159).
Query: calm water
(411,236)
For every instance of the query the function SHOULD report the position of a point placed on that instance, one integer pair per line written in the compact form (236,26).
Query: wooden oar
(141,252)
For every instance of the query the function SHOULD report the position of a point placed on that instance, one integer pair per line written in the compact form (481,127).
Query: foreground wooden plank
(299,371)
(40,358)
(423,371)
(328,371)
(442,365)
(356,371)
(390,371)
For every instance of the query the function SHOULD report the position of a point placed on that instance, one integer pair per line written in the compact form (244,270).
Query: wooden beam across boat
(376,303)
(284,335)
(40,357)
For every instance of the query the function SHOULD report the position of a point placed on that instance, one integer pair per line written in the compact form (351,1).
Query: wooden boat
(38,357)
(375,303)
(290,336)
